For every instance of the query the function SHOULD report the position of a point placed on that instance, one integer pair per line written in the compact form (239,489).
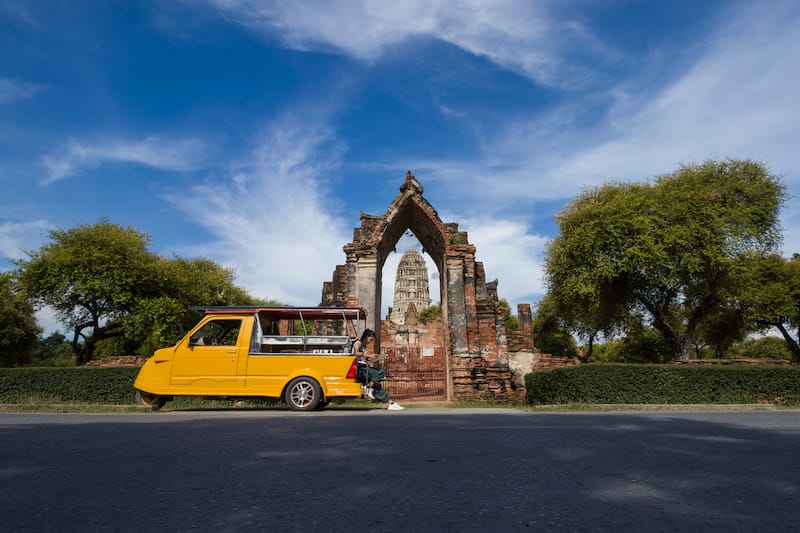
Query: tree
(641,344)
(586,315)
(771,298)
(766,347)
(163,319)
(115,295)
(551,331)
(92,276)
(53,350)
(664,251)
(510,321)
(431,312)
(18,328)
(720,331)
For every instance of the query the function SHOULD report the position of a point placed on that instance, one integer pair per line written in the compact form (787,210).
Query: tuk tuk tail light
(351,374)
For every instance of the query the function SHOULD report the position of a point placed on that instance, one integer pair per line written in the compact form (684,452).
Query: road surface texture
(418,470)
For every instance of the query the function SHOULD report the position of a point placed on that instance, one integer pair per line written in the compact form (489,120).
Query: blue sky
(255,132)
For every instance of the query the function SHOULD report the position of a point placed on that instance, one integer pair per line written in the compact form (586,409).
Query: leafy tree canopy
(53,350)
(771,296)
(551,332)
(91,275)
(511,321)
(111,291)
(163,319)
(766,347)
(430,313)
(664,251)
(18,328)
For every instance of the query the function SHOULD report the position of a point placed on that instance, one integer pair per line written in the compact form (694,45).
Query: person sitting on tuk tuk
(371,372)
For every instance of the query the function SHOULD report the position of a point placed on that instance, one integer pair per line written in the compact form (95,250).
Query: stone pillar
(365,283)
(525,320)
(456,306)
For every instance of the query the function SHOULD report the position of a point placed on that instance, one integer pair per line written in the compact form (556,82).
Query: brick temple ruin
(468,349)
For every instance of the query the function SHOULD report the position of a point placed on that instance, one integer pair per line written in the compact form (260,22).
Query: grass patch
(610,408)
(191,403)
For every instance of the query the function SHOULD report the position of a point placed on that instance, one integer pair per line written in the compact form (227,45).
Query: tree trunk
(686,347)
(588,355)
(791,343)
(83,352)
(680,349)
(76,347)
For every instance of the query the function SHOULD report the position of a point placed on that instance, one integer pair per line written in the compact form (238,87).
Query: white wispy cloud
(16,236)
(12,90)
(73,156)
(737,98)
(517,255)
(524,36)
(274,216)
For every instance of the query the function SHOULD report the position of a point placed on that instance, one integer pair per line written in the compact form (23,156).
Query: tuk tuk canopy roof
(287,313)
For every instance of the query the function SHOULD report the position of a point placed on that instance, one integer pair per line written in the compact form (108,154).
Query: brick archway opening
(474,343)
(416,351)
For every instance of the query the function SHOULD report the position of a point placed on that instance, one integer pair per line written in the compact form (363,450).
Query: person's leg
(380,394)
(377,391)
(371,377)
(375,375)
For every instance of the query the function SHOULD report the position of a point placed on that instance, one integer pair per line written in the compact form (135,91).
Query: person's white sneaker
(394,406)
(370,393)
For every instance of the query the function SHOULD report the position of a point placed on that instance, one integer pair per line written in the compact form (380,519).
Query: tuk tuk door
(210,356)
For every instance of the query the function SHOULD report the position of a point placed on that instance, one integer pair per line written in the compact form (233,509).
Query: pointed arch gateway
(474,336)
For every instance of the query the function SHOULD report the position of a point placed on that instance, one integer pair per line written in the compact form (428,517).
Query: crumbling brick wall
(118,360)
(475,338)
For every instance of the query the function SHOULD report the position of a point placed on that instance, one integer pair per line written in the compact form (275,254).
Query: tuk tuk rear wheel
(303,394)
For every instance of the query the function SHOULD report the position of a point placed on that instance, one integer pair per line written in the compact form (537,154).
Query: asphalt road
(416,470)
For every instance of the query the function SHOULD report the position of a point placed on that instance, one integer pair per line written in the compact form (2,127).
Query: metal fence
(414,373)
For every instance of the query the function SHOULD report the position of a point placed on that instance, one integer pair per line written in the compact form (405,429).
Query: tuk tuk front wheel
(149,400)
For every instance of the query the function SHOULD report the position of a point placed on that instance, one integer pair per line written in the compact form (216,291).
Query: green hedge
(594,383)
(664,384)
(111,385)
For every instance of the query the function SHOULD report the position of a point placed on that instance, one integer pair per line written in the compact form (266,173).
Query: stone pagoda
(411,293)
